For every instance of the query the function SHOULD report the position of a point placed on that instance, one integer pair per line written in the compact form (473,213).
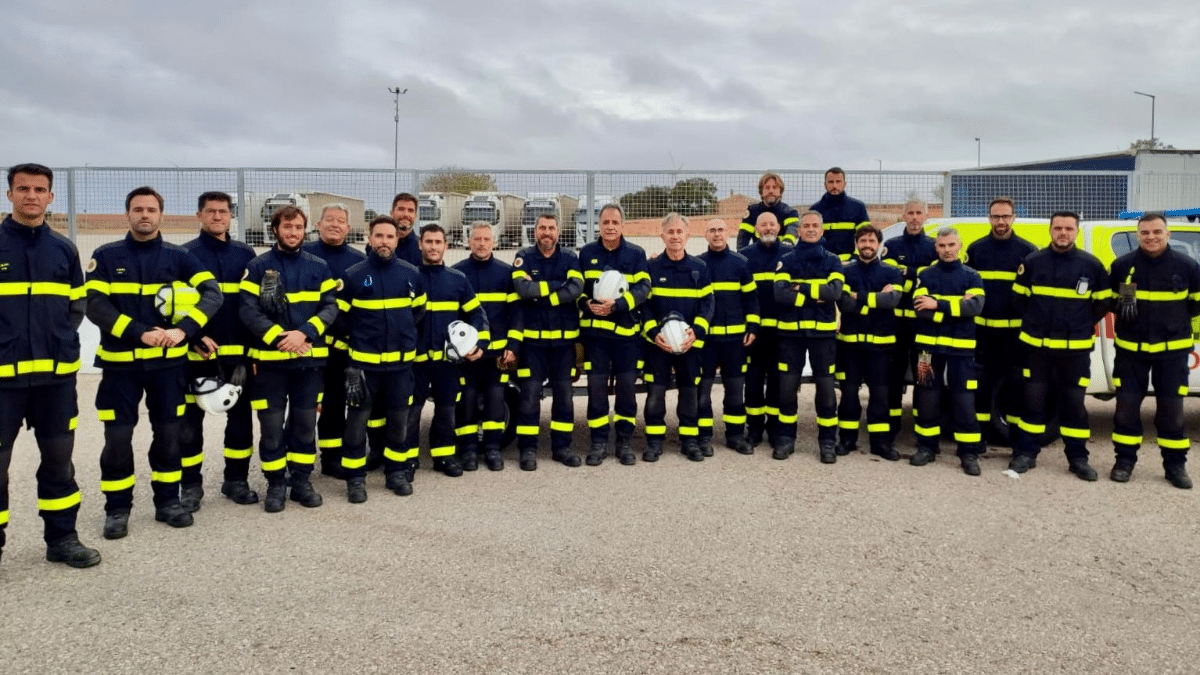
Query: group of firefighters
(337,351)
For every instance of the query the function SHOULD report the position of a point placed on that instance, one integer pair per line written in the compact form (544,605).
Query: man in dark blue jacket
(134,287)
(219,351)
(762,366)
(843,215)
(404,212)
(770,191)
(381,301)
(39,326)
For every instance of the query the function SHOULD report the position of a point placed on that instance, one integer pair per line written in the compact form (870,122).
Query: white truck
(580,223)
(247,223)
(561,207)
(445,209)
(501,210)
(312,203)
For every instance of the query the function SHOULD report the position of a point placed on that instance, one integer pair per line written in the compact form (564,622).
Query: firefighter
(866,340)
(682,289)
(910,253)
(288,303)
(947,298)
(548,282)
(132,288)
(332,247)
(381,302)
(770,192)
(610,331)
(998,347)
(808,284)
(1062,292)
(731,331)
(842,214)
(450,298)
(481,410)
(219,352)
(762,365)
(1156,290)
(43,305)
(404,212)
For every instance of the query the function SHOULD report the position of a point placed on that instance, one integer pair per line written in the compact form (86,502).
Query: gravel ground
(737,564)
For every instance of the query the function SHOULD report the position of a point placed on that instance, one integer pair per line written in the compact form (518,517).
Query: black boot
(174,515)
(70,551)
(116,524)
(239,491)
(190,496)
(828,451)
(705,443)
(304,493)
(356,490)
(691,449)
(493,459)
(653,450)
(625,450)
(566,456)
(276,498)
(596,454)
(448,466)
(1080,467)
(528,460)
(470,460)
(397,482)
(1177,475)
(739,444)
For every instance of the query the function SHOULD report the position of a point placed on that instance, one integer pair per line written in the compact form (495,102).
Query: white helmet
(610,286)
(173,302)
(214,395)
(674,331)
(461,338)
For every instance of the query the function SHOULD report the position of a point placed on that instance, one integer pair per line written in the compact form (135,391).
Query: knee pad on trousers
(56,458)
(271,428)
(304,425)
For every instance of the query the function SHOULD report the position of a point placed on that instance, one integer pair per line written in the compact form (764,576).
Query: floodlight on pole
(396,150)
(879,183)
(1151,97)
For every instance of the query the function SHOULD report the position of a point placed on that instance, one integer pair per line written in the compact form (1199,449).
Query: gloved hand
(271,295)
(1127,301)
(357,395)
(238,377)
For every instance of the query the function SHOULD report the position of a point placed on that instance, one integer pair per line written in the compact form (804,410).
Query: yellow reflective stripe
(275,464)
(492,297)
(249,286)
(543,288)
(656,429)
(841,226)
(1174,443)
(377,423)
(329,443)
(304,296)
(764,276)
(272,333)
(343,306)
(1055,292)
(561,426)
(806,325)
(527,430)
(317,323)
(1072,432)
(549,334)
(575,274)
(726,286)
(117,485)
(1053,343)
(385,357)
(747,227)
(927,431)
(61,503)
(270,355)
(1125,439)
(194,460)
(166,476)
(328,285)
(233,453)
(230,287)
(1154,347)
(141,354)
(733,329)
(4,517)
(998,323)
(348,463)
(443,306)
(119,326)
(943,341)
(385,303)
(301,458)
(471,305)
(38,366)
(996,275)
(968,437)
(37,288)
(1162,296)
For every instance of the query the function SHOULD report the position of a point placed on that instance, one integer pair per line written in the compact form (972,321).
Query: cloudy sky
(593,85)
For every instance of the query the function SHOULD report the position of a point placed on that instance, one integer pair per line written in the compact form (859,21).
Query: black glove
(271,296)
(357,395)
(238,377)
(1127,301)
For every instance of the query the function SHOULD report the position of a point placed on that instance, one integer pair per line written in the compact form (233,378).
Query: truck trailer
(312,203)
(502,210)
(562,207)
(445,209)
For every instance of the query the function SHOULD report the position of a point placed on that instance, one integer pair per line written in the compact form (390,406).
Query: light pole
(396,149)
(978,153)
(1151,97)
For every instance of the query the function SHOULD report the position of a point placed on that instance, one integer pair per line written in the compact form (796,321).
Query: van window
(1187,243)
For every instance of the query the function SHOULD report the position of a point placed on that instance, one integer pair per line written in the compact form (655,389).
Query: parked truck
(312,203)
(561,207)
(501,210)
(445,209)
(247,223)
(580,222)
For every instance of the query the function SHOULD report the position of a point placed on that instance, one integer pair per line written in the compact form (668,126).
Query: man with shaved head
(762,371)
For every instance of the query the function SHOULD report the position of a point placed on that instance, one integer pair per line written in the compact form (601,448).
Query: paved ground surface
(737,564)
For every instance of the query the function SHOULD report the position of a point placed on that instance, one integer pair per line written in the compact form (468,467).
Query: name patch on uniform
(120,272)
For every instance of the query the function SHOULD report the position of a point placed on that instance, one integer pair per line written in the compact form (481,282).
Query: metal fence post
(946,195)
(74,233)
(243,222)
(591,208)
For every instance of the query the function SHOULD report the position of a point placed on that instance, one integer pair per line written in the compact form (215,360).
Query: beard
(768,239)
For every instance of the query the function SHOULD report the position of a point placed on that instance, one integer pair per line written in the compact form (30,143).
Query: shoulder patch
(779,265)
(966,256)
(1021,269)
(245,272)
(882,251)
(91,266)
(518,262)
(746,214)
(341,283)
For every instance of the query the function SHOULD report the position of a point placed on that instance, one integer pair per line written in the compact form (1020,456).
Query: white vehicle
(503,211)
(247,221)
(561,207)
(445,209)
(582,233)
(312,203)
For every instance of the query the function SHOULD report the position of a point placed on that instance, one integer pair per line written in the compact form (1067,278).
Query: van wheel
(512,401)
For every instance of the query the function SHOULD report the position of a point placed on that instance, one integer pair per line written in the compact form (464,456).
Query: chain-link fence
(90,200)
